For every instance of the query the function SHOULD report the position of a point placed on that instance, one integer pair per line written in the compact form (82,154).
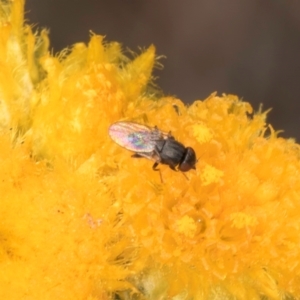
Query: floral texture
(82,219)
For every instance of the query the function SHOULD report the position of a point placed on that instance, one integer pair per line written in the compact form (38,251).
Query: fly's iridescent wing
(135,137)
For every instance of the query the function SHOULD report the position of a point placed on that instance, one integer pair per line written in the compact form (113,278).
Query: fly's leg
(154,166)
(142,155)
(157,158)
(136,155)
(170,136)
(154,155)
(173,168)
(185,175)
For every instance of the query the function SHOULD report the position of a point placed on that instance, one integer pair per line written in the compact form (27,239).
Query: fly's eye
(189,160)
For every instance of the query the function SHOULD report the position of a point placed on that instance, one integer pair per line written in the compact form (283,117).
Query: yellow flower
(82,219)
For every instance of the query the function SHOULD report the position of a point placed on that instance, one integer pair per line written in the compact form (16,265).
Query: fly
(154,144)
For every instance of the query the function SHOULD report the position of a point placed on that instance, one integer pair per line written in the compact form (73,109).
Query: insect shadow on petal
(154,144)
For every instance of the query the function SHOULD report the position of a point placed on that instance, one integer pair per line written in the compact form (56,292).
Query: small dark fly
(154,144)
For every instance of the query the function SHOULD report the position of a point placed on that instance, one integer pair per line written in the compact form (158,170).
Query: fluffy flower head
(82,219)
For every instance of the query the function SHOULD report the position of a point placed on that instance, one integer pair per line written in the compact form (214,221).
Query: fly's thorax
(172,152)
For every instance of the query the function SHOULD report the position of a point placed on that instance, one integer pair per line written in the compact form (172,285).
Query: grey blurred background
(248,48)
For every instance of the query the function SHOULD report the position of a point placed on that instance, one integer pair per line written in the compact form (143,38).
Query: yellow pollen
(202,133)
(210,175)
(241,220)
(186,225)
